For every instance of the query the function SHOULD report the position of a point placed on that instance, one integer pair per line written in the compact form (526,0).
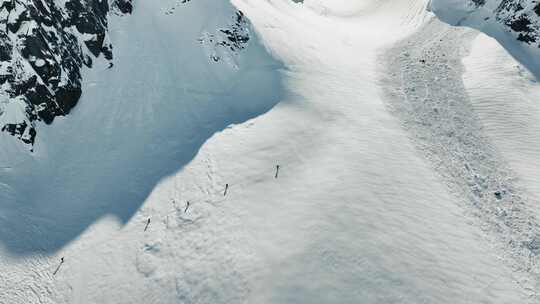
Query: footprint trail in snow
(428,96)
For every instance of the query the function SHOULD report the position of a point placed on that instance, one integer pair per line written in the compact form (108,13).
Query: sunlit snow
(401,178)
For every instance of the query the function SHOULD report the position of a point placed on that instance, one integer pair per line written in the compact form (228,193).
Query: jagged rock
(226,42)
(520,18)
(43,48)
(47,43)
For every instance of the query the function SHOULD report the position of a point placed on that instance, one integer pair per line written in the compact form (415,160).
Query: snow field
(356,215)
(431,100)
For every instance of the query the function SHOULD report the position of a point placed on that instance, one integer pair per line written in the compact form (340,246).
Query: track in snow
(429,97)
(356,215)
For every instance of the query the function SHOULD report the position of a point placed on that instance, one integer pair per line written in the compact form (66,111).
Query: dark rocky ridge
(233,38)
(523,18)
(44,45)
(519,17)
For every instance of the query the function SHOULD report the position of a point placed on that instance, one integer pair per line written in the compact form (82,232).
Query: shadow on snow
(136,124)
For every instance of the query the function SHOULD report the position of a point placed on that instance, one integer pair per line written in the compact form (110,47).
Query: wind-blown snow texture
(395,185)
(434,106)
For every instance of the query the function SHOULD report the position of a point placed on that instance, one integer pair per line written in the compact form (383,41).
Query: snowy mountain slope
(431,100)
(163,99)
(357,214)
(46,45)
(509,113)
(514,23)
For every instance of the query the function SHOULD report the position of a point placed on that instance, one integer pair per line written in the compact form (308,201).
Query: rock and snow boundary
(136,124)
(46,45)
(356,215)
(515,24)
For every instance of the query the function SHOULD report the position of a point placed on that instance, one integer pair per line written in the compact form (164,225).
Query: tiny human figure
(59,265)
(226,188)
(187,206)
(277,171)
(147,224)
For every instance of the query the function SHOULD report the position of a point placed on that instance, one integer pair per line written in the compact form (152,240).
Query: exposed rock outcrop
(44,45)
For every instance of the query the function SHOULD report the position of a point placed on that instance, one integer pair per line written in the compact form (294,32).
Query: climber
(59,265)
(147,224)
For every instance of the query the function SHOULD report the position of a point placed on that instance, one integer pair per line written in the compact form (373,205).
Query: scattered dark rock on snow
(229,40)
(237,36)
(171,10)
(43,48)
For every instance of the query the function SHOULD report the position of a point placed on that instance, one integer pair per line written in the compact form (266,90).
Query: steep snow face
(505,96)
(434,106)
(43,47)
(514,23)
(356,214)
(180,75)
